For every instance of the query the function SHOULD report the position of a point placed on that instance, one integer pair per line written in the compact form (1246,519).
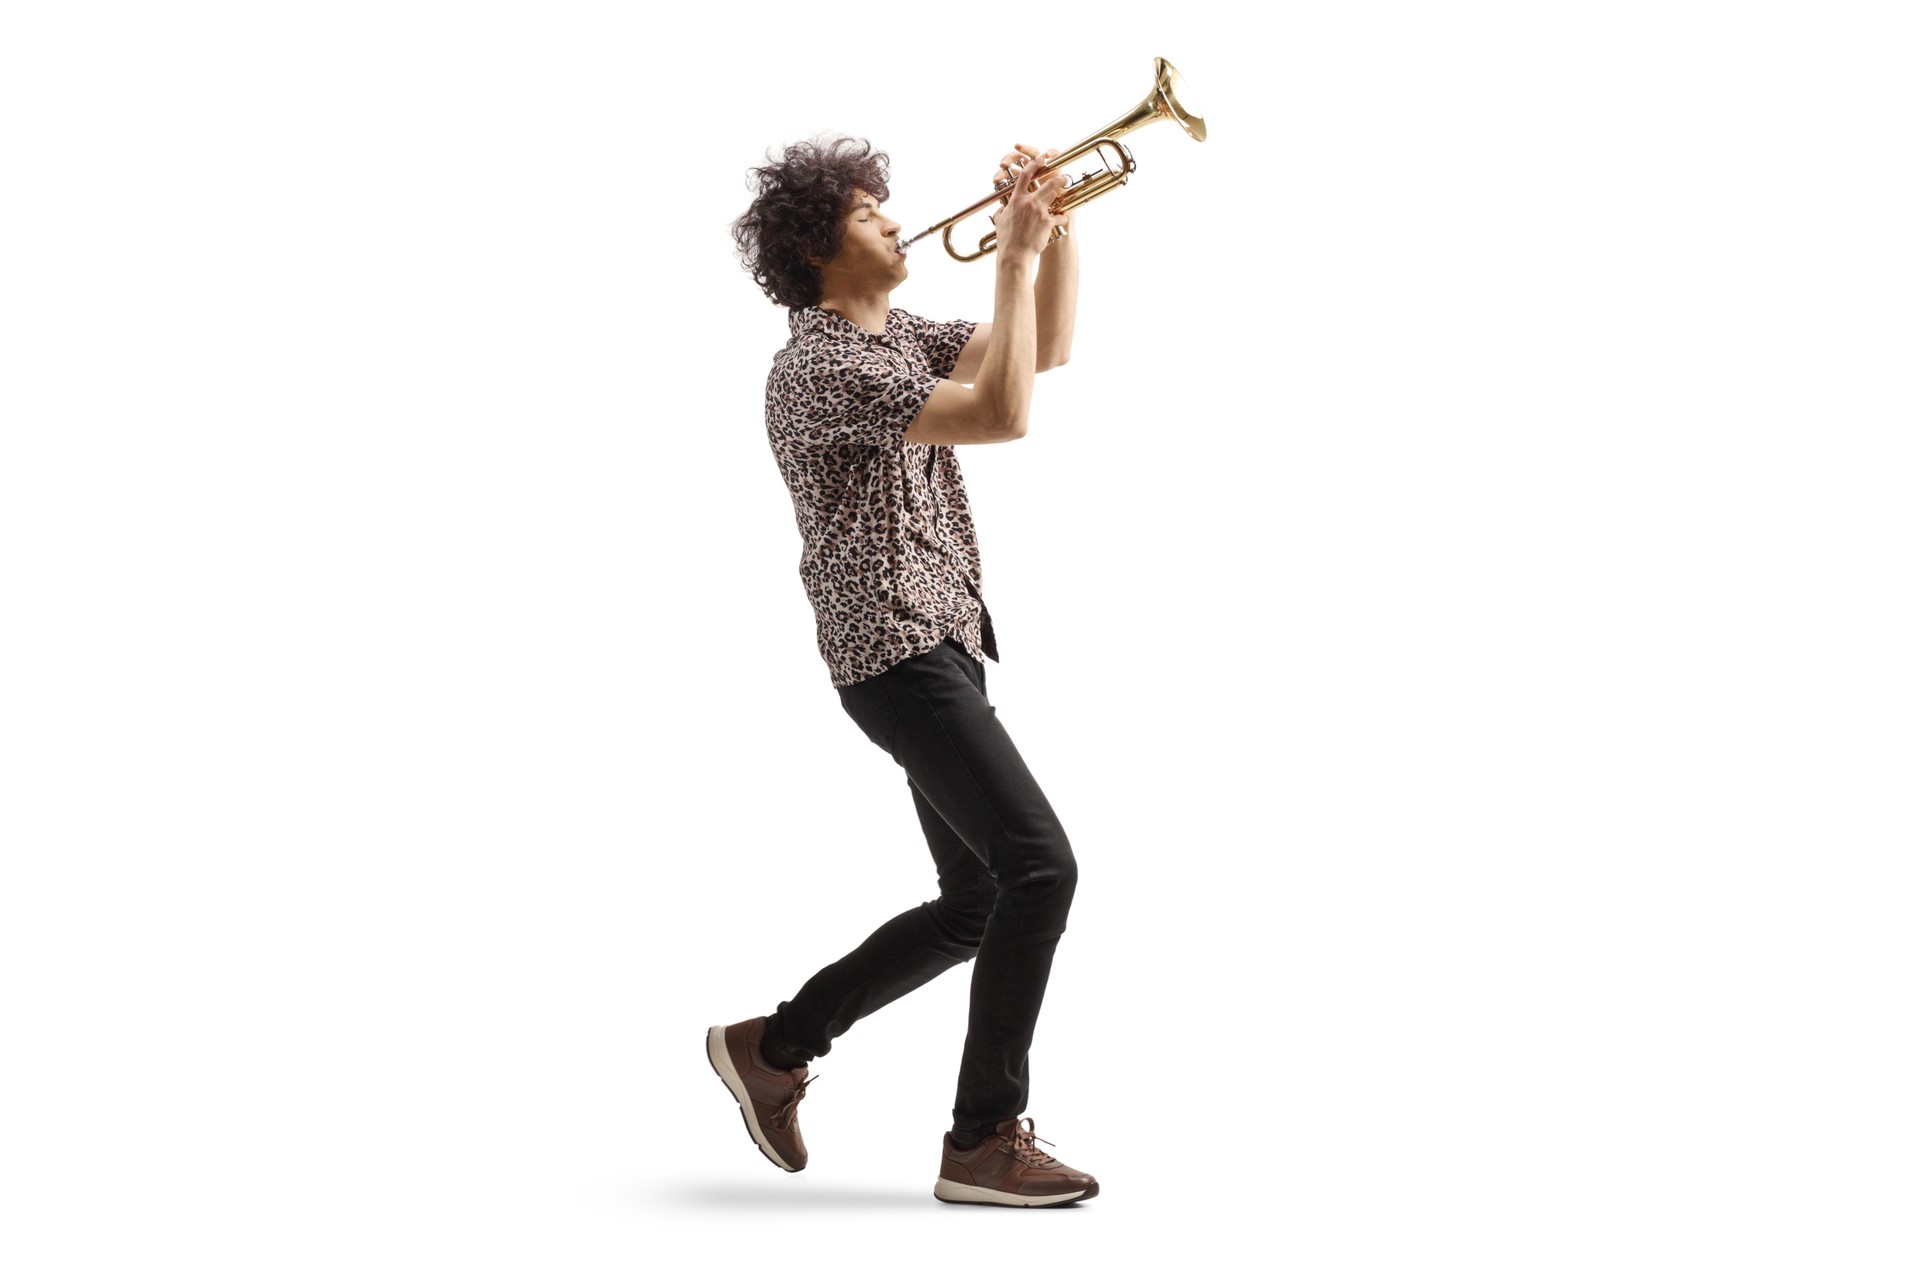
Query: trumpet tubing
(1161,103)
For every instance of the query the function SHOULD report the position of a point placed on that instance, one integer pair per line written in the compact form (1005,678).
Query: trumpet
(1161,103)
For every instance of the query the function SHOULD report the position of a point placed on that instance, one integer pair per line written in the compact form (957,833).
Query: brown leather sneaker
(769,1096)
(1007,1169)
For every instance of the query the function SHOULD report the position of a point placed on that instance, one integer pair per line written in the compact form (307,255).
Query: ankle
(779,1060)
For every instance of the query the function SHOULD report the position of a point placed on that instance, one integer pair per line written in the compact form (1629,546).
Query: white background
(1459,598)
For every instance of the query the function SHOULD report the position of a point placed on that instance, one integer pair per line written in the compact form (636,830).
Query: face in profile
(870,252)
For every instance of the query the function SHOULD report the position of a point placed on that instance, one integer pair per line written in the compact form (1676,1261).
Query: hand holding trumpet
(1026,220)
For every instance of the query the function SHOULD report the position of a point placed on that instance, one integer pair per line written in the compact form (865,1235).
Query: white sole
(961,1193)
(723,1067)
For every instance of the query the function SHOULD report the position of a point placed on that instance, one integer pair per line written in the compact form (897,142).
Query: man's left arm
(1056,285)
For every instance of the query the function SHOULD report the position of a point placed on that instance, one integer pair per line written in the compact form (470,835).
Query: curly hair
(797,212)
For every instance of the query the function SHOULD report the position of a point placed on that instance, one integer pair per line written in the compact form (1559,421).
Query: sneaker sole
(960,1193)
(722,1063)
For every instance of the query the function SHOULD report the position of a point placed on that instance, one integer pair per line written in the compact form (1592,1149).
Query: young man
(864,407)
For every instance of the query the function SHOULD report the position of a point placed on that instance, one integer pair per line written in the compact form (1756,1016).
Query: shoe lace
(1023,1138)
(783,1118)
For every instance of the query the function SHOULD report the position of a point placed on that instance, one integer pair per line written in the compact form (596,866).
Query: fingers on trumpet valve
(1010,164)
(1021,156)
(1020,160)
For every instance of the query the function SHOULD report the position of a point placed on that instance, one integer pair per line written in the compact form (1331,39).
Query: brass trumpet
(1161,103)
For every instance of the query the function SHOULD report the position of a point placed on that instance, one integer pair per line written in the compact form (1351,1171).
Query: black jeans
(1006,872)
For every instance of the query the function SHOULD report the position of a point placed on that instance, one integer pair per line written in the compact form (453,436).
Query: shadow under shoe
(769,1096)
(1008,1169)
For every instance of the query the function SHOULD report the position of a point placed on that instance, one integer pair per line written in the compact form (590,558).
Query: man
(864,407)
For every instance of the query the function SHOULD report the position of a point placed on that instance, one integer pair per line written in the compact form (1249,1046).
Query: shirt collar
(815,319)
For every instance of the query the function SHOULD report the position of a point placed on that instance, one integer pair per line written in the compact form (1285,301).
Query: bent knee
(1069,874)
(963,914)
(1058,869)
(1061,862)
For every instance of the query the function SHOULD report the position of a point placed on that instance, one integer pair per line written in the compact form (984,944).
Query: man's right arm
(995,407)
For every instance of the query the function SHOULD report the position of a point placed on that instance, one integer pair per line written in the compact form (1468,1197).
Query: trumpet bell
(1166,100)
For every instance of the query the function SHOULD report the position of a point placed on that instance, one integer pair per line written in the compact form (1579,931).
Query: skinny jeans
(1006,874)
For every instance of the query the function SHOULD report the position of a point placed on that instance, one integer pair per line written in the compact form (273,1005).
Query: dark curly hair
(798,209)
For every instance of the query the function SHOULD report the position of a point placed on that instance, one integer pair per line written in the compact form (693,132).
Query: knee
(962,913)
(1061,861)
(1068,872)
(1055,869)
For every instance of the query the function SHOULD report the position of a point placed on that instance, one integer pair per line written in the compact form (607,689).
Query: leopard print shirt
(888,556)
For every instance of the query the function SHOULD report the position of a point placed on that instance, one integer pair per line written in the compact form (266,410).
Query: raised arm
(1056,290)
(995,407)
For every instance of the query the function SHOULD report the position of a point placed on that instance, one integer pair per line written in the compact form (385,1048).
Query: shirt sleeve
(863,402)
(941,341)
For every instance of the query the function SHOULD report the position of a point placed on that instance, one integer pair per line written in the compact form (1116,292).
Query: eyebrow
(866,204)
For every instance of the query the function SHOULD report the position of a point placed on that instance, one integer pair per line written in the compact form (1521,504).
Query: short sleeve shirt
(889,558)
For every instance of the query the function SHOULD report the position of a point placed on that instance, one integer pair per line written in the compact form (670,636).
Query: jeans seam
(893,724)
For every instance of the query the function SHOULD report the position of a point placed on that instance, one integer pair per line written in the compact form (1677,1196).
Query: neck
(868,309)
